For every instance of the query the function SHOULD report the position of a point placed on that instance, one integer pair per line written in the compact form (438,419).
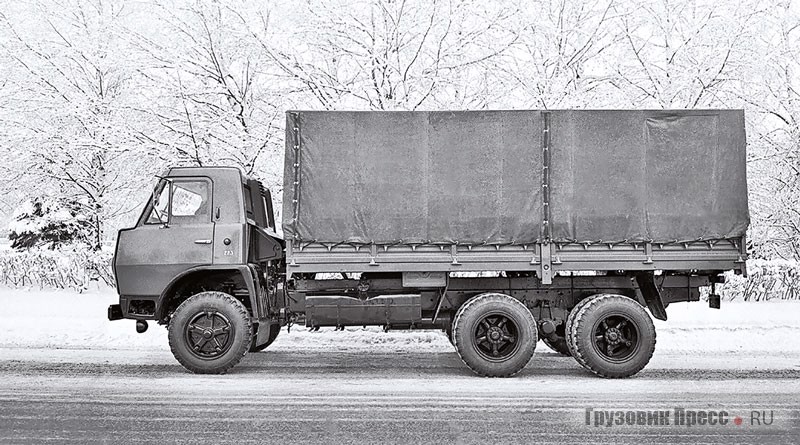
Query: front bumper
(114,312)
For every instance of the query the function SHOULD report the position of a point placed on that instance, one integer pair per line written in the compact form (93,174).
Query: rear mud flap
(651,295)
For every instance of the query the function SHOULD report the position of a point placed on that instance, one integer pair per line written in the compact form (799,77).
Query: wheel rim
(616,338)
(496,336)
(209,334)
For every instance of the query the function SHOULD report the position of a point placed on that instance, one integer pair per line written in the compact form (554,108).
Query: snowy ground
(61,319)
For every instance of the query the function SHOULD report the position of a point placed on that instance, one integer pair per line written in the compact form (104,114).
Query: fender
(245,270)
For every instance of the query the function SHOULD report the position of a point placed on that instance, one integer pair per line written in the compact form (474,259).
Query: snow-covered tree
(557,61)
(213,100)
(49,222)
(393,54)
(70,110)
(771,94)
(681,53)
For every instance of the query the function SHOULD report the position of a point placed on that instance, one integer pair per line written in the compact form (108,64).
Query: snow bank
(64,319)
(67,319)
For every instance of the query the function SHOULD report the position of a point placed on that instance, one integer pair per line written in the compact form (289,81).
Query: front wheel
(210,332)
(495,335)
(612,336)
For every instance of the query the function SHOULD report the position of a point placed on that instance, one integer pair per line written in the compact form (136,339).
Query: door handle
(202,241)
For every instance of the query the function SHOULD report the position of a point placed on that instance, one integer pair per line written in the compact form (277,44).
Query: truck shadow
(313,364)
(447,364)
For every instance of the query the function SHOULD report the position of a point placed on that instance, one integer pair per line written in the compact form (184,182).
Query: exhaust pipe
(141,326)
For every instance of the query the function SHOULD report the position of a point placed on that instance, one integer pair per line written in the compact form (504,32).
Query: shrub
(766,280)
(74,268)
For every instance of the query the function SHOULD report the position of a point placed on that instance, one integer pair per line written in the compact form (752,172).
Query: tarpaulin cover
(474,177)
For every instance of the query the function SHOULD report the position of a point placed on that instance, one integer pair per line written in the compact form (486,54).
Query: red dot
(737,420)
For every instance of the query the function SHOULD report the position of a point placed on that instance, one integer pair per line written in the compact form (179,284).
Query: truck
(499,228)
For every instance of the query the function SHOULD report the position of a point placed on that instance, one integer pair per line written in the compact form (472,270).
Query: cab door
(174,234)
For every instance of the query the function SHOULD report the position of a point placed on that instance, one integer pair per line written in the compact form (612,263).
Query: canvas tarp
(475,177)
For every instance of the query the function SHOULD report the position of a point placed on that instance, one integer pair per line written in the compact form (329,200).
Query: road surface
(330,396)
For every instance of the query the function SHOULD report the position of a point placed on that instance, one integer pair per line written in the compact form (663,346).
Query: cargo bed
(711,255)
(536,191)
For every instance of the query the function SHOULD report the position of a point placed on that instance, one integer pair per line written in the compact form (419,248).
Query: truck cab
(205,230)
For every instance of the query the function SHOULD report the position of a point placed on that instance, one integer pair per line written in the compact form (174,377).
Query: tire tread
(467,308)
(244,346)
(573,333)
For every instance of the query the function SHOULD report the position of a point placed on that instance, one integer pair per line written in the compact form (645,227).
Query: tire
(612,336)
(449,333)
(205,317)
(570,321)
(508,330)
(559,345)
(274,330)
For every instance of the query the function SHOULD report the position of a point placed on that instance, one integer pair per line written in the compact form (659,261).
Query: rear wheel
(495,335)
(449,332)
(210,332)
(612,336)
(274,330)
(569,322)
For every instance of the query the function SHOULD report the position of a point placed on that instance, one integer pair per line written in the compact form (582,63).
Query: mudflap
(651,295)
(262,334)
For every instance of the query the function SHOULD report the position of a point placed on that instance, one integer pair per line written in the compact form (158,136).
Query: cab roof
(210,171)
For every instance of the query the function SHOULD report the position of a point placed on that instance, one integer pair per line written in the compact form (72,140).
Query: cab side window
(182,202)
(190,202)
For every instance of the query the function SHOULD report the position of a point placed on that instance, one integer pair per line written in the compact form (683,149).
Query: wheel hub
(495,337)
(616,337)
(209,334)
(613,336)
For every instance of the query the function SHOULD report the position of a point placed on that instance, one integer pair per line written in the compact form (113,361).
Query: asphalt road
(325,396)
